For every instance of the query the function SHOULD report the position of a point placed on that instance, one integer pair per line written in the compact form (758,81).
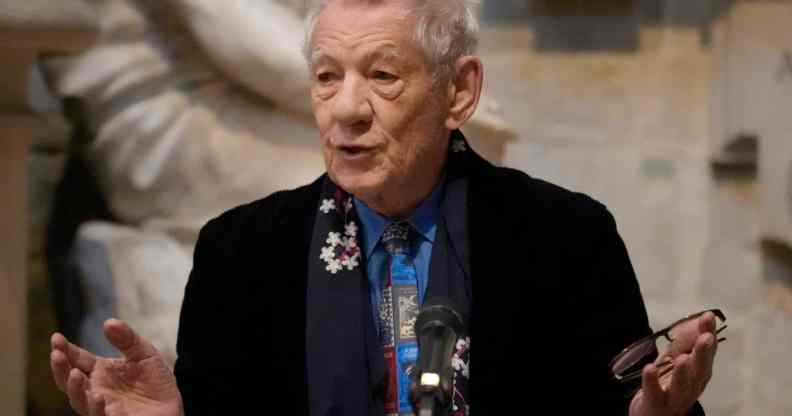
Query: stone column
(13,152)
(27,29)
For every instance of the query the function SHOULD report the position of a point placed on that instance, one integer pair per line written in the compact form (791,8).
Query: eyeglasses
(624,364)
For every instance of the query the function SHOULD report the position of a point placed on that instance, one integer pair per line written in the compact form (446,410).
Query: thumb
(132,346)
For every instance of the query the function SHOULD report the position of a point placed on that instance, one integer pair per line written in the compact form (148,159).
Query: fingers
(681,382)
(688,333)
(77,387)
(96,405)
(60,369)
(132,346)
(64,357)
(707,323)
(693,354)
(704,358)
(650,385)
(692,372)
(687,384)
(77,357)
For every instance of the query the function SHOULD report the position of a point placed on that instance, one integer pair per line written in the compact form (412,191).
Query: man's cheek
(327,152)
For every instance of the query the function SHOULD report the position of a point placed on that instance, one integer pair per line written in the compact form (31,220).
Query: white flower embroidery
(333,239)
(348,205)
(327,206)
(351,261)
(351,253)
(334,266)
(328,254)
(341,252)
(351,229)
(458,146)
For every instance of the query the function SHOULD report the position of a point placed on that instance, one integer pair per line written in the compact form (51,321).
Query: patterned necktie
(398,309)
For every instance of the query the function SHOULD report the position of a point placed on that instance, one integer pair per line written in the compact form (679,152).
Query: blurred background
(126,124)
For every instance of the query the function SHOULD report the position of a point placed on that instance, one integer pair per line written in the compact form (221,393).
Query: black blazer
(554,299)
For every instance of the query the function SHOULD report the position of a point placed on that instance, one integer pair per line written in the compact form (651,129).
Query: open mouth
(356,151)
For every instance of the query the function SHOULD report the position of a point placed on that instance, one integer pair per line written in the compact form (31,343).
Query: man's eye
(384,76)
(326,77)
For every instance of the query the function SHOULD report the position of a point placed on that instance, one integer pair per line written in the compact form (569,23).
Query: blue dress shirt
(424,220)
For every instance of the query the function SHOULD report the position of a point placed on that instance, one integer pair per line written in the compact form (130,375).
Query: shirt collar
(423,220)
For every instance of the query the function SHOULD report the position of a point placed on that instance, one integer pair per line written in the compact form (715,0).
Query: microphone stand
(426,406)
(430,398)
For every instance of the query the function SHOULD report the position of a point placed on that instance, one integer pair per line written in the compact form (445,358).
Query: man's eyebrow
(318,56)
(384,53)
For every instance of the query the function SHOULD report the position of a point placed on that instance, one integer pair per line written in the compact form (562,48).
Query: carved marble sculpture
(195,106)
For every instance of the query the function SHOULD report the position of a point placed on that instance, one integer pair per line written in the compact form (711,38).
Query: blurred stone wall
(625,101)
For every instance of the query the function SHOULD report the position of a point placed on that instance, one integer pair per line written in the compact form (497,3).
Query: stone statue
(194,106)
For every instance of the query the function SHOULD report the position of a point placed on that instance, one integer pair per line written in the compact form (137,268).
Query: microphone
(437,328)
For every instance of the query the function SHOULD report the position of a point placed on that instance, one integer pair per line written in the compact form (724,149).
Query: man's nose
(351,105)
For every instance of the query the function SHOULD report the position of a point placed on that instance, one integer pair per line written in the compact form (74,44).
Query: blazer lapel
(495,278)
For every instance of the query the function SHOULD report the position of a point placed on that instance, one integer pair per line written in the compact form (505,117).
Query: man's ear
(464,90)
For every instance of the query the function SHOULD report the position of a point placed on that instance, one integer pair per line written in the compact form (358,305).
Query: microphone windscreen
(439,311)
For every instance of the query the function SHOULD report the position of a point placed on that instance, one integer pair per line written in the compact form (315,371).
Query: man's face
(380,117)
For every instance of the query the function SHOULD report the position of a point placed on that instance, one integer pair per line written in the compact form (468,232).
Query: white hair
(445,30)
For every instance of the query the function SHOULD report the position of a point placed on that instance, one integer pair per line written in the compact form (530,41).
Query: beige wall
(637,130)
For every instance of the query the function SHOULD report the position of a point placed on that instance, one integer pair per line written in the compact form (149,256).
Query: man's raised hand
(675,392)
(139,383)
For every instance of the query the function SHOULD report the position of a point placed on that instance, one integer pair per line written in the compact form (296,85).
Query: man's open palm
(139,383)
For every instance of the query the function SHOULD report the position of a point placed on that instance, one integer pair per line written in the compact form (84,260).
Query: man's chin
(363,187)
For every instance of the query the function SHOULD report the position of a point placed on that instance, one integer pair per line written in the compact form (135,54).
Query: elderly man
(304,300)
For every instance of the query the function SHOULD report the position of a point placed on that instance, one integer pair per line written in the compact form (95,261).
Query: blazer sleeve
(609,308)
(209,346)
(242,317)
